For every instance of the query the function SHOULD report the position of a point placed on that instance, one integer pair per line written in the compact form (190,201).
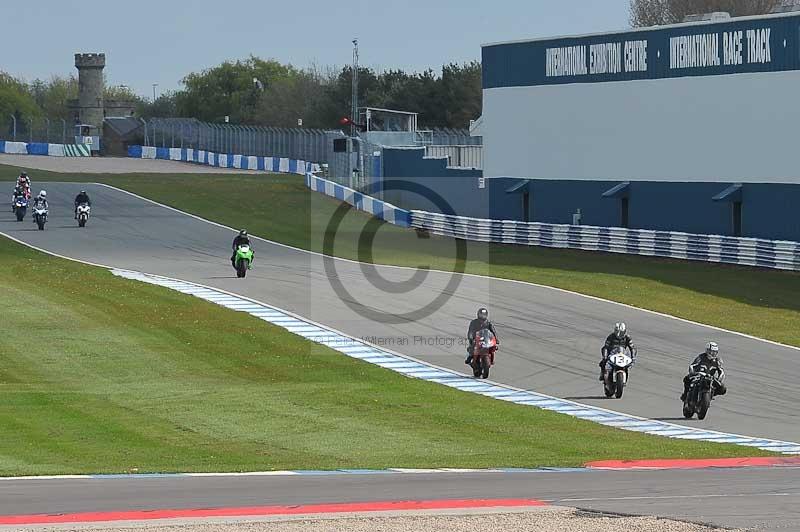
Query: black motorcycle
(701,392)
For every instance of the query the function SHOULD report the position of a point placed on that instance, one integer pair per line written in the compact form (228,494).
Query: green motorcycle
(243,260)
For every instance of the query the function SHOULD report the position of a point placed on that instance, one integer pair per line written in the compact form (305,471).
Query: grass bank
(763,303)
(103,375)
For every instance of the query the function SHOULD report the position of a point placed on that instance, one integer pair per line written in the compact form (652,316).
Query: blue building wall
(768,210)
(683,207)
(771,211)
(431,178)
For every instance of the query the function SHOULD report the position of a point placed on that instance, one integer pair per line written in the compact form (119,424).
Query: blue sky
(150,41)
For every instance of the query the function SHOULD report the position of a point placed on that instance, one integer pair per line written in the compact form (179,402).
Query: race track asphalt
(550,339)
(550,344)
(762,498)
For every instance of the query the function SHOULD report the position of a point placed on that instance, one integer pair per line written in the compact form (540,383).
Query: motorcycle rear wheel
(485,366)
(705,403)
(241,269)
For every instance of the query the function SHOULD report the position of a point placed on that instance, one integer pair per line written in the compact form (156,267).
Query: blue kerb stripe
(276,164)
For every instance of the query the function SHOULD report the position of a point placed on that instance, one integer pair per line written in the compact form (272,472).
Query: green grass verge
(103,375)
(760,302)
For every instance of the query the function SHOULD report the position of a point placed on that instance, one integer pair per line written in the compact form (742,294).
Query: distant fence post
(14,127)
(63,131)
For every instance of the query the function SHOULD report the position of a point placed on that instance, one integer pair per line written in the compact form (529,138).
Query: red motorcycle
(483,352)
(26,189)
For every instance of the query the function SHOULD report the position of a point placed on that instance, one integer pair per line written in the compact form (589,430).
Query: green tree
(461,93)
(661,12)
(165,106)
(301,95)
(52,96)
(231,89)
(16,100)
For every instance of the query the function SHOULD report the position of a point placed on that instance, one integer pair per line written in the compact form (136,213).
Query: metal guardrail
(362,202)
(782,255)
(294,143)
(470,156)
(775,254)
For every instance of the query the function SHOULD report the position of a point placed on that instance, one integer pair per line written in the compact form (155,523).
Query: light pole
(154,91)
(354,109)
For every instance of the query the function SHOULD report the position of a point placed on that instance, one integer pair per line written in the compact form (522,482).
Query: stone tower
(91,87)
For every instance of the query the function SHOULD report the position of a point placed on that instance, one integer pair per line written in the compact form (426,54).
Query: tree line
(255,91)
(265,92)
(660,12)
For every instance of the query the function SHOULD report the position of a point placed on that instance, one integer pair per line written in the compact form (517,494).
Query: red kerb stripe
(262,511)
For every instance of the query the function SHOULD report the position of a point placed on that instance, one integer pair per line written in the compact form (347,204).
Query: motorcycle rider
(710,359)
(618,338)
(19,192)
(242,239)
(478,324)
(24,181)
(40,202)
(82,197)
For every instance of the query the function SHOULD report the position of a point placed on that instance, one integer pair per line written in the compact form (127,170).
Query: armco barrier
(379,209)
(43,148)
(708,248)
(224,160)
(776,254)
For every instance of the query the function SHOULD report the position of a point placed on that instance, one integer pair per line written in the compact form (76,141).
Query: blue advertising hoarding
(763,44)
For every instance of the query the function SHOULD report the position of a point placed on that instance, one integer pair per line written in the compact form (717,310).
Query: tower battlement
(90,61)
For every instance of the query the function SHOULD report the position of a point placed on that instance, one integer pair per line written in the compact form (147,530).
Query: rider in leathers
(241,240)
(476,325)
(710,359)
(41,202)
(619,338)
(81,198)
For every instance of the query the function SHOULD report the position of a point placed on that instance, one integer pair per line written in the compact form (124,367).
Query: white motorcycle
(40,217)
(83,214)
(615,376)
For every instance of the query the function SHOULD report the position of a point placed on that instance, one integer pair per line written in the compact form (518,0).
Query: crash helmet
(712,350)
(243,233)
(43,194)
(620,329)
(483,314)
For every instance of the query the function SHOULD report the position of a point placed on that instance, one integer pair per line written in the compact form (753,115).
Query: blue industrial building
(692,127)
